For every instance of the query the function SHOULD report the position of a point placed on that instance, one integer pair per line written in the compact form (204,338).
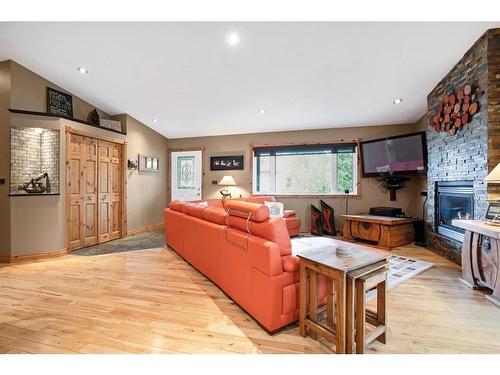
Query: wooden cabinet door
(74,177)
(116,191)
(105,189)
(90,192)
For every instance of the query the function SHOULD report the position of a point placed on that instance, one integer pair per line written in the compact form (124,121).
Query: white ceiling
(304,75)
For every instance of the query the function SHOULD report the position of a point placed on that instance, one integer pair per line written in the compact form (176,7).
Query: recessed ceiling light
(82,70)
(233,39)
(261,111)
(397,101)
(155,120)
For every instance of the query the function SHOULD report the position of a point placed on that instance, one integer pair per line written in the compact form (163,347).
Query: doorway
(95,186)
(186,174)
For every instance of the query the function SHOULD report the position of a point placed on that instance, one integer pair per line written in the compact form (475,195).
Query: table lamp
(226,182)
(494,176)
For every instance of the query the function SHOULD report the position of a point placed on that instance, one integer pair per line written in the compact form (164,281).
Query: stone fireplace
(458,164)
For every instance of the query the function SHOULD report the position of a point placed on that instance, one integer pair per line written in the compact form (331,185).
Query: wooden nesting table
(340,274)
(388,232)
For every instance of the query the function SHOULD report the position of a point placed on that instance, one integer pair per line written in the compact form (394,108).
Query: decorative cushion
(261,199)
(316,221)
(289,213)
(275,208)
(328,219)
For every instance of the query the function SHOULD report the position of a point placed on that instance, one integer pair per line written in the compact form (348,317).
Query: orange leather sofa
(243,250)
(292,221)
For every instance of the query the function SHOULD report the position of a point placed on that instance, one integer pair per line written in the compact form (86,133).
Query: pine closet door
(94,191)
(90,192)
(116,191)
(74,190)
(105,196)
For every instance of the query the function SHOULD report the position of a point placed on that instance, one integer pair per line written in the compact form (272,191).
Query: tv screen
(401,155)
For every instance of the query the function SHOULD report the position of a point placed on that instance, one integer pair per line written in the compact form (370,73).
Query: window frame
(356,172)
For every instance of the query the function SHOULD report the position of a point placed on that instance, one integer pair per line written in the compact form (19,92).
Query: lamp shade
(494,175)
(227,181)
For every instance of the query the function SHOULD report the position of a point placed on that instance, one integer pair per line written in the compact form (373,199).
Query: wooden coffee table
(387,232)
(323,260)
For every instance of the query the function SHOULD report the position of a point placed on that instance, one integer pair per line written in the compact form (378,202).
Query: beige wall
(29,92)
(146,191)
(38,223)
(408,198)
(4,158)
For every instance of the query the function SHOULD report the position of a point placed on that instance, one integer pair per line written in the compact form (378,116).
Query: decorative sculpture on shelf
(35,186)
(456,110)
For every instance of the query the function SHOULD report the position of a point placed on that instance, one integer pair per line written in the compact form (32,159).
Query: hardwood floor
(151,301)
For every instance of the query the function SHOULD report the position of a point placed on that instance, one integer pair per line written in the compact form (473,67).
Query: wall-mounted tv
(399,155)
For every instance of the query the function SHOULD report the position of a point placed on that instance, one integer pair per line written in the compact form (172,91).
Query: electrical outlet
(214,182)
(2,180)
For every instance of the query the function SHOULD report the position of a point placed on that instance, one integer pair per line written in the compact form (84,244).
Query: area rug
(400,268)
(140,241)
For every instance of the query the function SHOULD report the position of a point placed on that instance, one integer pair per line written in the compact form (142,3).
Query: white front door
(186,175)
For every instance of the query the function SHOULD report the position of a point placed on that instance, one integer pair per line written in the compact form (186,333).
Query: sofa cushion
(289,213)
(209,202)
(176,205)
(195,210)
(290,263)
(254,211)
(215,215)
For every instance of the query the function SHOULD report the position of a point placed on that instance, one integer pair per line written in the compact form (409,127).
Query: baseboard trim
(34,256)
(148,228)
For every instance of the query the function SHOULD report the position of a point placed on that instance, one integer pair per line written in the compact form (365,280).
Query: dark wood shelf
(31,194)
(44,114)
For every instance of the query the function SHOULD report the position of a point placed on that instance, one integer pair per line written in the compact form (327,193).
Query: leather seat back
(254,219)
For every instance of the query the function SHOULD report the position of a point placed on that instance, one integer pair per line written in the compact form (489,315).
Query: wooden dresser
(387,232)
(481,256)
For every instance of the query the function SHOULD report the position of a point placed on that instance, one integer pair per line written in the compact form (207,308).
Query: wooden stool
(376,279)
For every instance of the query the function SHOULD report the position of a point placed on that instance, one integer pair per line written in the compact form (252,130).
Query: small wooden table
(481,257)
(324,261)
(387,231)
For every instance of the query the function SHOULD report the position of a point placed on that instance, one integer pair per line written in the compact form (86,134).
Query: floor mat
(140,241)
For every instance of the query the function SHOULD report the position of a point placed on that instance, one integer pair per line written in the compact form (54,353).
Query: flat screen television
(400,155)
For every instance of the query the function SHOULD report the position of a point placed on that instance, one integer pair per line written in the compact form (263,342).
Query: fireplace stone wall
(464,156)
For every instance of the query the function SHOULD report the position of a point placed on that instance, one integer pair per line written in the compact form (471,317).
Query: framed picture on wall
(226,163)
(149,163)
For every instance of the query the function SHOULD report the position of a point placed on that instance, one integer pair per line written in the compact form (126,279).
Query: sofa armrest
(290,263)
(289,213)
(265,256)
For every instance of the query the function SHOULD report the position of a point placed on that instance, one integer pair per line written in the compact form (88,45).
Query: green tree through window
(345,172)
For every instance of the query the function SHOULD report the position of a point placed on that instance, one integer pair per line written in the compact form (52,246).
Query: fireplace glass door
(455,201)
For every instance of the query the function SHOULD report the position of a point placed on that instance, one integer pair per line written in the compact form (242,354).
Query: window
(327,169)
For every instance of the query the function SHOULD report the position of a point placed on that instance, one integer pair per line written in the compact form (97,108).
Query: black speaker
(419,227)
